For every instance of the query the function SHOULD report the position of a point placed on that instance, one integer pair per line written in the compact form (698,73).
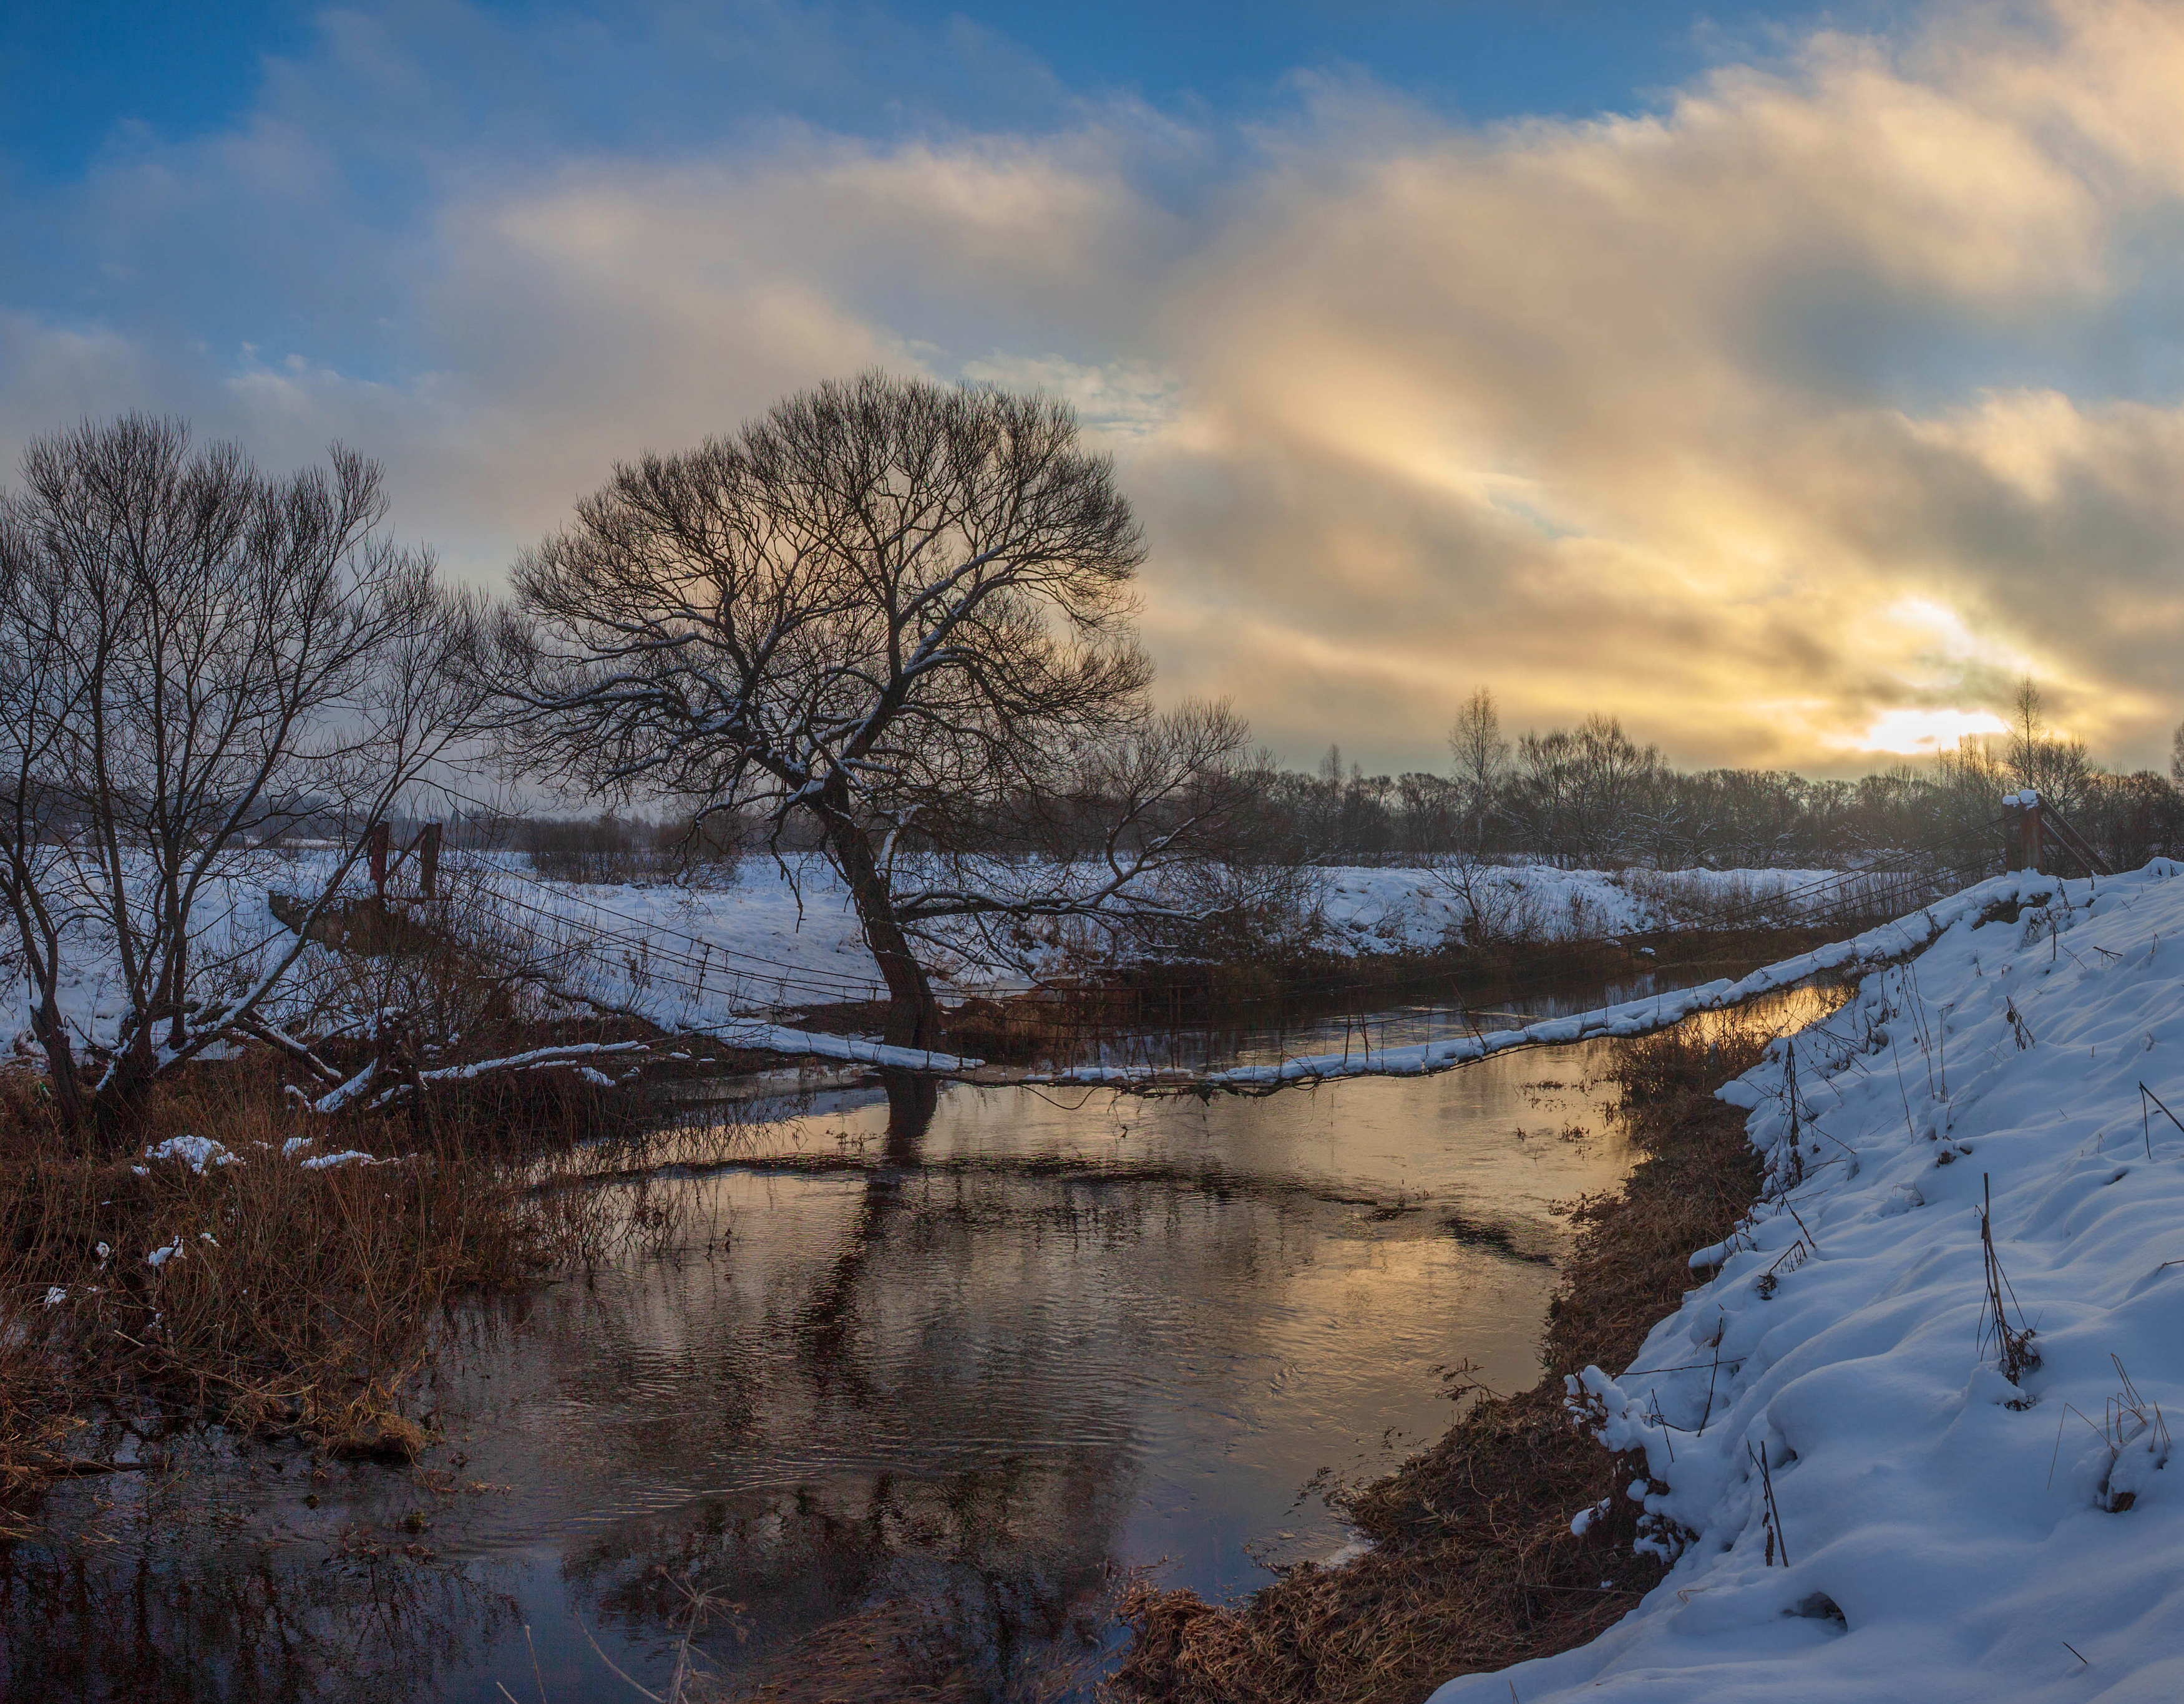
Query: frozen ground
(1380,910)
(1923,1527)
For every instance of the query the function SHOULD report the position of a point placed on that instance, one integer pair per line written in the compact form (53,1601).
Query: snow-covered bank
(1922,1528)
(795,937)
(1885,945)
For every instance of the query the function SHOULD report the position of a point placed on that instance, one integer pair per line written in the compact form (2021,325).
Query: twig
(535,1674)
(1774,1520)
(2146,1120)
(2013,1345)
(610,1663)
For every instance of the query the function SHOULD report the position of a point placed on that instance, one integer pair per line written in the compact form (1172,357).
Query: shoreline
(1474,1565)
(1198,998)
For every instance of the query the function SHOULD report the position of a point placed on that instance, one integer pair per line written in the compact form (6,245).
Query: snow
(1889,942)
(347,1156)
(1386,911)
(196,1152)
(727,960)
(1860,1503)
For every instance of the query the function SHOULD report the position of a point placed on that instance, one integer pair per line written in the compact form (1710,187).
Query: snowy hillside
(794,937)
(1923,1527)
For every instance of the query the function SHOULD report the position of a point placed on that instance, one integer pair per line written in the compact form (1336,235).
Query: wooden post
(428,861)
(2029,830)
(375,848)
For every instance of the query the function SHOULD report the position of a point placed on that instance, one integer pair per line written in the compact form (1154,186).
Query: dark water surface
(922,1405)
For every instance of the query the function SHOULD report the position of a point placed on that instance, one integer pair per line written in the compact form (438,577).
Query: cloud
(1663,415)
(1826,398)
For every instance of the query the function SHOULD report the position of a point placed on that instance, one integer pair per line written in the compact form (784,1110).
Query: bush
(607,848)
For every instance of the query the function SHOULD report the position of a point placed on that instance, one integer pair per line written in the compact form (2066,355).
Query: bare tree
(1482,759)
(1587,791)
(890,608)
(193,656)
(2057,768)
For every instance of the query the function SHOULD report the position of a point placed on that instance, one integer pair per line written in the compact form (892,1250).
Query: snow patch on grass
(196,1152)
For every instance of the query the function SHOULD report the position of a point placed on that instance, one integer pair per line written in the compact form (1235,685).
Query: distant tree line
(1591,796)
(1587,796)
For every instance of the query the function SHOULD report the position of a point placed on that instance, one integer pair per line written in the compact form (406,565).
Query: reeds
(2013,1343)
(283,1298)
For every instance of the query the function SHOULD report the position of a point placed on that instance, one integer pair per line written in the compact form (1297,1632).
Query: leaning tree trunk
(913,1018)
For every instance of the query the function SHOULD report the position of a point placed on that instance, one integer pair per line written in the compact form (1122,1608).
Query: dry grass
(294,1299)
(1474,1565)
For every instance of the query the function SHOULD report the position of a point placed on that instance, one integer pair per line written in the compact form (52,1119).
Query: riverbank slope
(1912,1439)
(1905,1430)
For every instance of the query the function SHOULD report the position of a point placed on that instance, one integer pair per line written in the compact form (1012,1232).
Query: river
(881,1409)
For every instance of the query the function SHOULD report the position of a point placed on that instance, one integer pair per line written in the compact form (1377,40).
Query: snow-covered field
(775,939)
(795,939)
(1923,1527)
(1383,910)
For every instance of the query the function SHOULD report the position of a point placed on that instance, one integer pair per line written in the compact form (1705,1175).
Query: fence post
(2029,830)
(376,845)
(428,861)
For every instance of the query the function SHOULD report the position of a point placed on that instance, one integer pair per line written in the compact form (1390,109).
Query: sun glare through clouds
(1922,732)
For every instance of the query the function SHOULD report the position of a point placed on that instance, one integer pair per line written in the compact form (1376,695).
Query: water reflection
(160,1596)
(925,1376)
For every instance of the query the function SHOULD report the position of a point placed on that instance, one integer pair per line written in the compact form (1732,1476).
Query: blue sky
(77,78)
(1772,375)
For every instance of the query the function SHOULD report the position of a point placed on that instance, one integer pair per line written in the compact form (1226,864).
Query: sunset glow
(1922,732)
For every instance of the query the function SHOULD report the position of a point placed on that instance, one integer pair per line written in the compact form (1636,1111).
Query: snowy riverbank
(1922,1526)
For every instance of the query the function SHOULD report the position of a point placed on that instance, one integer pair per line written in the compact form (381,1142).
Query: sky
(1788,379)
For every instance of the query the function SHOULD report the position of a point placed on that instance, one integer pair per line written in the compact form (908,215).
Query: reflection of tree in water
(985,1582)
(181,1615)
(984,1585)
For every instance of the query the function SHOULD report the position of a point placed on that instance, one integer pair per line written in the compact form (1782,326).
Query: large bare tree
(193,657)
(900,610)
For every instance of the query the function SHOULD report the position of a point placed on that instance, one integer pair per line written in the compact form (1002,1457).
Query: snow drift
(1859,1502)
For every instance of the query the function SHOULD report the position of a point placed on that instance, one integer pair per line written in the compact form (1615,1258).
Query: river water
(883,1410)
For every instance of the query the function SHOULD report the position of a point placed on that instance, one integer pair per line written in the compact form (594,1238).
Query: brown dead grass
(1474,1565)
(298,1300)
